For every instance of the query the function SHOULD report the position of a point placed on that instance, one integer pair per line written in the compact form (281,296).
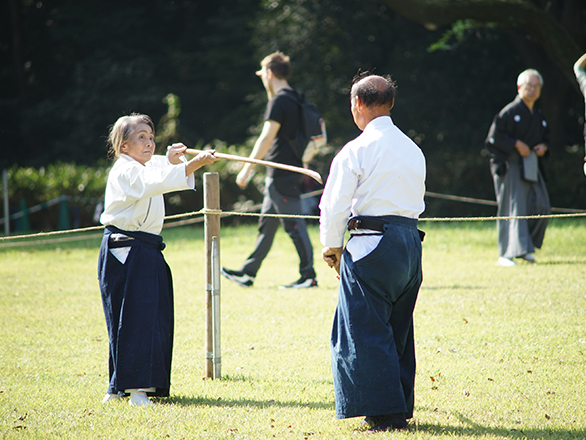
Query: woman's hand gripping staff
(176,155)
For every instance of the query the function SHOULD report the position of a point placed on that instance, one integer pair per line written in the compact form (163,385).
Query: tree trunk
(559,45)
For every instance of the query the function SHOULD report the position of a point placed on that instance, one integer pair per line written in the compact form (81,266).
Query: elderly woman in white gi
(135,280)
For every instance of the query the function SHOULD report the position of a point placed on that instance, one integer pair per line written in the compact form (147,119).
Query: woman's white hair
(524,77)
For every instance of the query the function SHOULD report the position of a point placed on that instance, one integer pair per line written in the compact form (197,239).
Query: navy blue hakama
(372,342)
(137,297)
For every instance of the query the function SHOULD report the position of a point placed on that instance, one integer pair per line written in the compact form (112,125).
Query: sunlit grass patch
(501,351)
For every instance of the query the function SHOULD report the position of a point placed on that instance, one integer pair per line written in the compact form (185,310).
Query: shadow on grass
(220,402)
(561,262)
(474,430)
(453,287)
(249,378)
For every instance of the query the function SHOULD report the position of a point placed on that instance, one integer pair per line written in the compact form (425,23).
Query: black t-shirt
(284,109)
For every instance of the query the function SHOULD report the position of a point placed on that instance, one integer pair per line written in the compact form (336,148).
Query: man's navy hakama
(372,343)
(139,291)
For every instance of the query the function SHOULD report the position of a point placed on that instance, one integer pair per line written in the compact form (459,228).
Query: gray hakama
(516,197)
(139,291)
(372,343)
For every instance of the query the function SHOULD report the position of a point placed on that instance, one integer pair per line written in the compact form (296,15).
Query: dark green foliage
(81,65)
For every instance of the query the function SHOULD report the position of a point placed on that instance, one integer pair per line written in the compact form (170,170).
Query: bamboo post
(211,202)
(216,320)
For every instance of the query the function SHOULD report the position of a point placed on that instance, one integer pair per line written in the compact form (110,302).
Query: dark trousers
(372,342)
(276,203)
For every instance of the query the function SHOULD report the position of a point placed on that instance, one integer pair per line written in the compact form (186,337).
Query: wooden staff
(313,174)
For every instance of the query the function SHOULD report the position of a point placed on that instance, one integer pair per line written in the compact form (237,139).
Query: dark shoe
(389,422)
(301,283)
(238,277)
(370,421)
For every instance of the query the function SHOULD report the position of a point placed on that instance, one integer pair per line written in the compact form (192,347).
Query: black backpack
(312,128)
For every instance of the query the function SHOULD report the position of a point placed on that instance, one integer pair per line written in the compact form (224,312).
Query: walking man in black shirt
(282,188)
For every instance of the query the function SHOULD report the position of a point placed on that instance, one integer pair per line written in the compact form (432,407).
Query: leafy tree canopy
(69,69)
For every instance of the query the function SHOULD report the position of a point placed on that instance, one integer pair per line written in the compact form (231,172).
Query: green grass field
(501,351)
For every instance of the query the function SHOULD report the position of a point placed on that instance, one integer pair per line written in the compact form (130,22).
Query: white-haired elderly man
(518,141)
(580,71)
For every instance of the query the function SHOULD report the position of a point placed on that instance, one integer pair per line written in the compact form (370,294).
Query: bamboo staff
(313,174)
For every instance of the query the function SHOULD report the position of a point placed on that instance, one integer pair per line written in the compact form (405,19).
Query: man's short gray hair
(374,90)
(524,77)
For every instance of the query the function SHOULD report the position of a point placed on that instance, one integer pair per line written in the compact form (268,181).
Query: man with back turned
(378,180)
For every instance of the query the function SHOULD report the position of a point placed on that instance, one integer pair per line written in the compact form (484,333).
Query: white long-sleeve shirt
(134,193)
(381,172)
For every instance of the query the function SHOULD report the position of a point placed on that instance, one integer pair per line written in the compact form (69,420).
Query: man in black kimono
(517,132)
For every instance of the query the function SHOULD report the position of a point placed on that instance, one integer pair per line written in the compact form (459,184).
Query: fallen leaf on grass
(22,418)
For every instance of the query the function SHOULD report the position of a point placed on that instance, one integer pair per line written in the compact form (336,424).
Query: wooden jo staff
(313,174)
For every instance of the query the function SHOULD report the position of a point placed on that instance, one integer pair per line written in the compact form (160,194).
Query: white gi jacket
(134,194)
(381,172)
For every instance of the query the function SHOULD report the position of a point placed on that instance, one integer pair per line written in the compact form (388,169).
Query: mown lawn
(501,351)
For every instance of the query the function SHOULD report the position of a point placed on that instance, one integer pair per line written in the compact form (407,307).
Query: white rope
(568,213)
(255,214)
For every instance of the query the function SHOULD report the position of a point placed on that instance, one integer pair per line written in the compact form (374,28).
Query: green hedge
(29,187)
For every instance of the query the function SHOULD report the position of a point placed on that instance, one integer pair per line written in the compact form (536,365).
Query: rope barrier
(223,214)
(247,213)
(487,202)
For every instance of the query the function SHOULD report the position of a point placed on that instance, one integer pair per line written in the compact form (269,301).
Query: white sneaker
(506,262)
(139,398)
(528,257)
(111,398)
